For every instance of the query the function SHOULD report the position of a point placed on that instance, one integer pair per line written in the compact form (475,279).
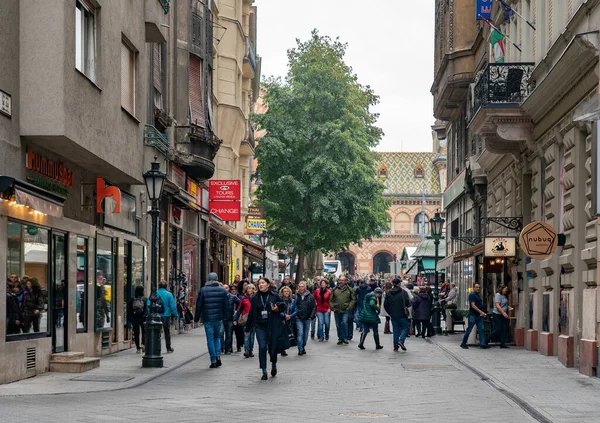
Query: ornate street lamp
(155,181)
(437,225)
(289,249)
(264,240)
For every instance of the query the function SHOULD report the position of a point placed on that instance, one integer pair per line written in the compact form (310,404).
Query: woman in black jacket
(136,314)
(264,317)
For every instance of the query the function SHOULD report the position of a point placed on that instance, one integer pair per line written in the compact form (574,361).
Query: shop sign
(256,224)
(49,168)
(484,9)
(500,246)
(177,176)
(107,191)
(195,191)
(454,190)
(538,240)
(124,219)
(5,104)
(176,215)
(225,190)
(228,211)
(256,212)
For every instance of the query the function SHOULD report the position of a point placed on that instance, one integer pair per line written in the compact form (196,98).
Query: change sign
(256,224)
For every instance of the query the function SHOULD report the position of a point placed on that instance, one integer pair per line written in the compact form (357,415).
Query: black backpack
(138,306)
(160,305)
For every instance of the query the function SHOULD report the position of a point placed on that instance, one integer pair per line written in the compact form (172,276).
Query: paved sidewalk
(559,394)
(125,366)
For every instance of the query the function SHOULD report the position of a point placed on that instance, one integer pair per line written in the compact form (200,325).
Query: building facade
(414,183)
(93,92)
(531,125)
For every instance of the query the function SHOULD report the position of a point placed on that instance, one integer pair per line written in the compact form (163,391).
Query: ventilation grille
(31,358)
(105,340)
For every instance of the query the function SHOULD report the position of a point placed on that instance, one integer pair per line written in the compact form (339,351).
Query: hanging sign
(256,212)
(538,240)
(225,190)
(229,211)
(484,9)
(105,191)
(256,224)
(500,246)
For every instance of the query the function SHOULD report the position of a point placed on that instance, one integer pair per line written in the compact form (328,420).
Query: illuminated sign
(256,224)
(500,246)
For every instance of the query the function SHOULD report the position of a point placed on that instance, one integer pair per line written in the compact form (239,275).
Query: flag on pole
(497,41)
(508,11)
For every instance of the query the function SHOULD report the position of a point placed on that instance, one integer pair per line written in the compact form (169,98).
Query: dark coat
(422,306)
(277,334)
(361,293)
(33,300)
(396,300)
(306,307)
(13,310)
(369,313)
(233,303)
(212,303)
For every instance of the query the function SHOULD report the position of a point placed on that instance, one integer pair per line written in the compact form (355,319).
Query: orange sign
(103,191)
(51,169)
(538,240)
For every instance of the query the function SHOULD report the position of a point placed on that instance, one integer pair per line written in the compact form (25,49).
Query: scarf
(323,291)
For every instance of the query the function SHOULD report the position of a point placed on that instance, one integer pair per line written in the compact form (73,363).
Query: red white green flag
(497,41)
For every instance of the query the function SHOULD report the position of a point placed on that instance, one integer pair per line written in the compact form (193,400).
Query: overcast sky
(390,48)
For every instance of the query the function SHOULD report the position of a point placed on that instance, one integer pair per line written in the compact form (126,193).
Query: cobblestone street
(429,382)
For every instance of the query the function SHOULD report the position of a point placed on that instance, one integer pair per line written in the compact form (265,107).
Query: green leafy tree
(320,189)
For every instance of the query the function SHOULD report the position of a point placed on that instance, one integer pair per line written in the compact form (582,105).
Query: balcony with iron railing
(249,67)
(195,150)
(153,138)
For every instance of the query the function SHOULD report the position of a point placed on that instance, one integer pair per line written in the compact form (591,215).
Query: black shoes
(170,350)
(273,372)
(464,346)
(212,366)
(264,377)
(503,346)
(219,364)
(284,354)
(302,352)
(484,347)
(379,347)
(401,345)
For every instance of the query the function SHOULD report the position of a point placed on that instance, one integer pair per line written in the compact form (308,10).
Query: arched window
(418,229)
(402,223)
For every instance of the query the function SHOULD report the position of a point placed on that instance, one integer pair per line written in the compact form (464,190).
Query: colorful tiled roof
(401,177)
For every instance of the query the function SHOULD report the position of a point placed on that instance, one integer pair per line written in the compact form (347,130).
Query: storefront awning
(428,266)
(31,196)
(247,243)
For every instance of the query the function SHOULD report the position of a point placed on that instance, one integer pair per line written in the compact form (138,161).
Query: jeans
(400,327)
(166,322)
(228,335)
(341,324)
(475,320)
(213,339)
(324,318)
(500,327)
(312,327)
(350,332)
(263,347)
(249,341)
(302,327)
(137,325)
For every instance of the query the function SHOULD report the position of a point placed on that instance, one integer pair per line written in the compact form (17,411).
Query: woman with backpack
(137,315)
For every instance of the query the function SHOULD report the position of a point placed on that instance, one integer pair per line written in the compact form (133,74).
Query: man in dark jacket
(306,309)
(212,305)
(422,312)
(233,303)
(396,305)
(361,293)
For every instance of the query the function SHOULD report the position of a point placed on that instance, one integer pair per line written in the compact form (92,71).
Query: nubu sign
(103,191)
(538,240)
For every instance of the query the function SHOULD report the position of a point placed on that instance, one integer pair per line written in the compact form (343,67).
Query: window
(127,77)
(195,91)
(81,296)
(419,224)
(157,75)
(27,289)
(105,282)
(85,38)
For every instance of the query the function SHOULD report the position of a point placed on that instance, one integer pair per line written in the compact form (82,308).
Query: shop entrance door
(59,293)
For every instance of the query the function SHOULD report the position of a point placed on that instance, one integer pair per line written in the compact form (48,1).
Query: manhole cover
(428,367)
(99,378)
(365,415)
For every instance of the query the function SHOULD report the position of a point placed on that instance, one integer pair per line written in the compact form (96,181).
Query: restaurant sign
(49,168)
(500,246)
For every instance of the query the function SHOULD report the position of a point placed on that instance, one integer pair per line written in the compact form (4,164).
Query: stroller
(185,316)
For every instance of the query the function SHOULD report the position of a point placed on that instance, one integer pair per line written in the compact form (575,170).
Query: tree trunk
(300,269)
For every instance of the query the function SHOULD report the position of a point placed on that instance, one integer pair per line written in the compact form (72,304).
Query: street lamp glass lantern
(264,238)
(155,181)
(437,225)
(289,249)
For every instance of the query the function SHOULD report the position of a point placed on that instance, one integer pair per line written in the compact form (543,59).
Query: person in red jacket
(322,296)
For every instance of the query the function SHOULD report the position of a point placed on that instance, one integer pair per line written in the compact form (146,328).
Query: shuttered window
(195,88)
(85,38)
(127,78)
(157,76)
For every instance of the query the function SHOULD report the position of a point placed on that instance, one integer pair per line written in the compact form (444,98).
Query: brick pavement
(330,384)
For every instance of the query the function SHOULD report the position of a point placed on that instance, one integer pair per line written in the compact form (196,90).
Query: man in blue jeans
(306,309)
(212,305)
(476,315)
(396,305)
(342,302)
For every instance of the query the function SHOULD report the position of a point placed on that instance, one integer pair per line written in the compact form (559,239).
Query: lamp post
(437,224)
(264,239)
(155,180)
(289,249)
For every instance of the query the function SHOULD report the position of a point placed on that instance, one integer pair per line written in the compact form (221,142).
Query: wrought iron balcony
(153,138)
(166,5)
(501,85)
(195,150)
(250,59)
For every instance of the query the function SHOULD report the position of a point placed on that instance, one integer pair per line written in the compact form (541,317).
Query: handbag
(242,320)
(291,335)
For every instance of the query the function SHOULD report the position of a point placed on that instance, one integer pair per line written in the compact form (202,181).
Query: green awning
(428,266)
